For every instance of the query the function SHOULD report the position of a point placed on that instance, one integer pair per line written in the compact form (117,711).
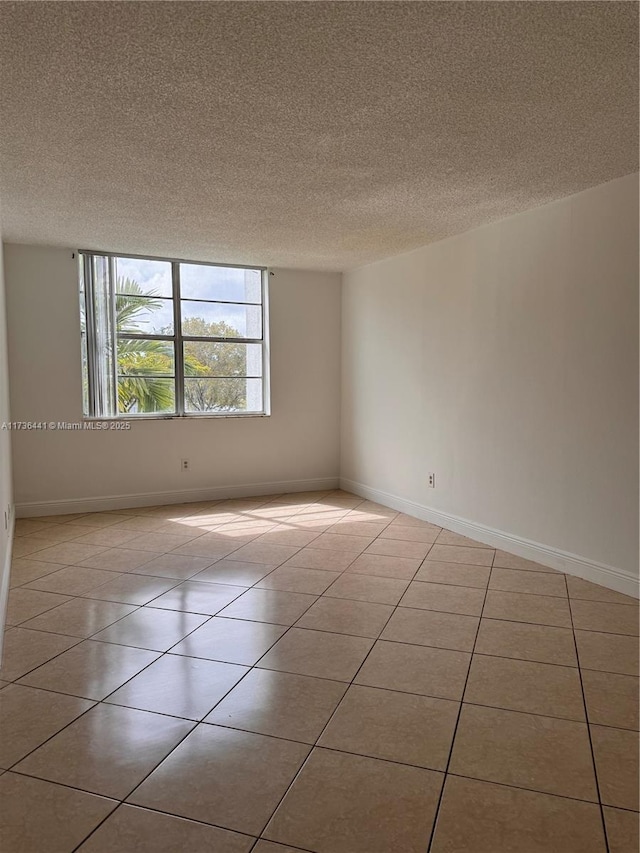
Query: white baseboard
(619,580)
(72,505)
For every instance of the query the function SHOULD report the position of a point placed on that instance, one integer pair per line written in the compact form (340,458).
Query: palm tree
(145,366)
(140,388)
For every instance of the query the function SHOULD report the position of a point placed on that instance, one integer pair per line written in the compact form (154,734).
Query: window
(172,338)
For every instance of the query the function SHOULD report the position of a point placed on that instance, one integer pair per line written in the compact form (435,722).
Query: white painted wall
(505,360)
(6,497)
(299,442)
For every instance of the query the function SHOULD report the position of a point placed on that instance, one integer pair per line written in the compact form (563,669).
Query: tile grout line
(173,551)
(26,627)
(91,529)
(455,730)
(340,598)
(179,582)
(588,728)
(317,597)
(218,614)
(97,702)
(48,610)
(288,672)
(219,559)
(349,684)
(175,654)
(200,721)
(299,548)
(83,639)
(196,724)
(508,785)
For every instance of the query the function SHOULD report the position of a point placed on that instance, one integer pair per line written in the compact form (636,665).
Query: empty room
(319,440)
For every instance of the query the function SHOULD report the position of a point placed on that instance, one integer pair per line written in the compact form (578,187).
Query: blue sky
(197,282)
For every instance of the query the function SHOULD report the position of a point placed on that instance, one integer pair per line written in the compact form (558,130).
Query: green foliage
(128,308)
(142,364)
(139,387)
(140,361)
(213,360)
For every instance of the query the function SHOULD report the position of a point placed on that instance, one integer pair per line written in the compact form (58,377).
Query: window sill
(190,417)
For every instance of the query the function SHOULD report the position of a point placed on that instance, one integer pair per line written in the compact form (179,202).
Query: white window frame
(92,405)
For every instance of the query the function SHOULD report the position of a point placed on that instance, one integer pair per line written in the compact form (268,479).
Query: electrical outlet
(184,464)
(431,481)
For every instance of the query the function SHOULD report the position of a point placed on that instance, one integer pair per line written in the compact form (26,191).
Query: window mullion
(266,352)
(143,336)
(216,340)
(114,338)
(177,340)
(215,395)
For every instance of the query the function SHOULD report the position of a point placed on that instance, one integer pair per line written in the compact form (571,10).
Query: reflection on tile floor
(309,672)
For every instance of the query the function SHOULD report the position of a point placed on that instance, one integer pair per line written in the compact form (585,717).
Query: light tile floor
(309,672)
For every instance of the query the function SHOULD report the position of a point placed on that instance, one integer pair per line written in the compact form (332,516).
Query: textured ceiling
(308,134)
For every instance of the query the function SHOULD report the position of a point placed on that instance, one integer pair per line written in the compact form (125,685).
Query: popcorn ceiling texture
(317,135)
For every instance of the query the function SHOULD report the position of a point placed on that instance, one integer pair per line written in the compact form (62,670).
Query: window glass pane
(207,319)
(137,275)
(140,357)
(222,395)
(202,358)
(127,306)
(138,395)
(137,315)
(225,283)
